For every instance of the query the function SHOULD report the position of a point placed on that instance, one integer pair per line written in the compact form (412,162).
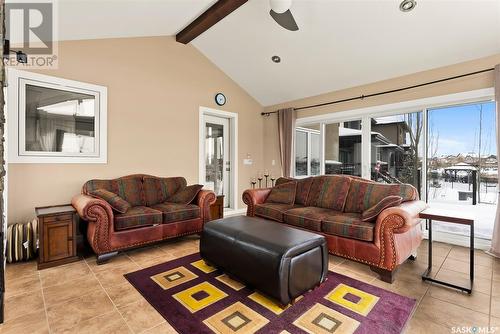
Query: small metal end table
(455,218)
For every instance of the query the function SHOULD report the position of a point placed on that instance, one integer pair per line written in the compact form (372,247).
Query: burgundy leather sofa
(149,220)
(383,244)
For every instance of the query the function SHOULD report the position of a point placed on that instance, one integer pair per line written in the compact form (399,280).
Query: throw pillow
(116,202)
(185,195)
(283,193)
(373,212)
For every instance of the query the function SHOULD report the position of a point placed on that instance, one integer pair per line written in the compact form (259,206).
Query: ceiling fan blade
(285,20)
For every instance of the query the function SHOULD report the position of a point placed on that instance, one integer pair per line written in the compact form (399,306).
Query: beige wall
(155,88)
(485,80)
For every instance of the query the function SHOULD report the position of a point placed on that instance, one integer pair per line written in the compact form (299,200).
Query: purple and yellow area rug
(196,298)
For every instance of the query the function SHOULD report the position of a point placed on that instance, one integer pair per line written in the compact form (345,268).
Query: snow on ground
(447,197)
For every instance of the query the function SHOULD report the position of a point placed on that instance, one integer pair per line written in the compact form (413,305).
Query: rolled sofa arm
(204,200)
(99,215)
(399,223)
(251,197)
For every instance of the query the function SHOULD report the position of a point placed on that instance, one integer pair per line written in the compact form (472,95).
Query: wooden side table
(455,218)
(217,209)
(57,239)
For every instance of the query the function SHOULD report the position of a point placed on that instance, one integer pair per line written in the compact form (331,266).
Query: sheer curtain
(495,240)
(286,131)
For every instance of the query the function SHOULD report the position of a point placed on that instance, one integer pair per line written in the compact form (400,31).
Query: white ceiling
(340,44)
(343,44)
(88,19)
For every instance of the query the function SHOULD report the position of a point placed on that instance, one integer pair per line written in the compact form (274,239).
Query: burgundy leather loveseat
(336,206)
(150,218)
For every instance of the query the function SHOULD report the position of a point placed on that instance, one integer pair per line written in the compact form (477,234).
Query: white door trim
(233,129)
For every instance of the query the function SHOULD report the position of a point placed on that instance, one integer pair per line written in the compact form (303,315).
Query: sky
(458,129)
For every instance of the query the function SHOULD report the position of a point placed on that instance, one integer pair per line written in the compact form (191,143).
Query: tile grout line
(430,285)
(112,302)
(44,304)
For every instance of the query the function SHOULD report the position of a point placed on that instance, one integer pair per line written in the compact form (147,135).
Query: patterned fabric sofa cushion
(116,202)
(185,195)
(273,211)
(93,185)
(131,190)
(329,192)
(309,217)
(303,188)
(158,189)
(372,213)
(137,216)
(174,212)
(348,225)
(283,193)
(365,194)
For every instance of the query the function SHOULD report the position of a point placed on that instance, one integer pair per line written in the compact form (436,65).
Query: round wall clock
(220,99)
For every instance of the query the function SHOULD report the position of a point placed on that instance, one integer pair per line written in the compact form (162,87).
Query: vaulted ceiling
(340,44)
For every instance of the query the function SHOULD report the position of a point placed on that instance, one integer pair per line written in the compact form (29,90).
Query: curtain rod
(361,97)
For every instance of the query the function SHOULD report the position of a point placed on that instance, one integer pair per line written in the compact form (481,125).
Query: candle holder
(253,182)
(266,175)
(272,181)
(259,177)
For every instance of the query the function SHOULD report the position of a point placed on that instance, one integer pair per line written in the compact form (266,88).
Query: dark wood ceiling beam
(210,17)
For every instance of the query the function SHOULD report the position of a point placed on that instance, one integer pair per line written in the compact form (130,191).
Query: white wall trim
(233,127)
(401,107)
(14,77)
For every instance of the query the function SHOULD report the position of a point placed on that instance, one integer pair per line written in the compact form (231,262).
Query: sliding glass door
(462,164)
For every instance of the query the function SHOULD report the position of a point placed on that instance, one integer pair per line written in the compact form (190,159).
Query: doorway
(217,152)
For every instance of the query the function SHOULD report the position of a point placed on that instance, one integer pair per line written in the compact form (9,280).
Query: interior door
(217,157)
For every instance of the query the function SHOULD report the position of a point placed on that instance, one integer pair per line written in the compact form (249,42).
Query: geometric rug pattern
(197,298)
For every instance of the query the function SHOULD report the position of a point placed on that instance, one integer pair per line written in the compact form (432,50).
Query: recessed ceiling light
(276,59)
(407,5)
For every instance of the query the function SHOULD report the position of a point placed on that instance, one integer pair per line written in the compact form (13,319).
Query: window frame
(16,119)
(309,133)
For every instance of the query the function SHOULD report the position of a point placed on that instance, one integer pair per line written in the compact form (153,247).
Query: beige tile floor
(83,297)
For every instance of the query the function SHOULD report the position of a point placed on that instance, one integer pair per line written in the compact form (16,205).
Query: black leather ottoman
(280,261)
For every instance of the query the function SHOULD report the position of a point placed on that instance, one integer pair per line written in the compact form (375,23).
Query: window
(55,120)
(343,148)
(397,148)
(307,151)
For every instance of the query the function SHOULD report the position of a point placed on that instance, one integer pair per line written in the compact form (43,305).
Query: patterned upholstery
(281,180)
(309,217)
(116,202)
(93,185)
(138,216)
(329,192)
(158,189)
(173,212)
(303,190)
(131,190)
(185,195)
(348,225)
(365,194)
(273,211)
(372,213)
(283,193)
